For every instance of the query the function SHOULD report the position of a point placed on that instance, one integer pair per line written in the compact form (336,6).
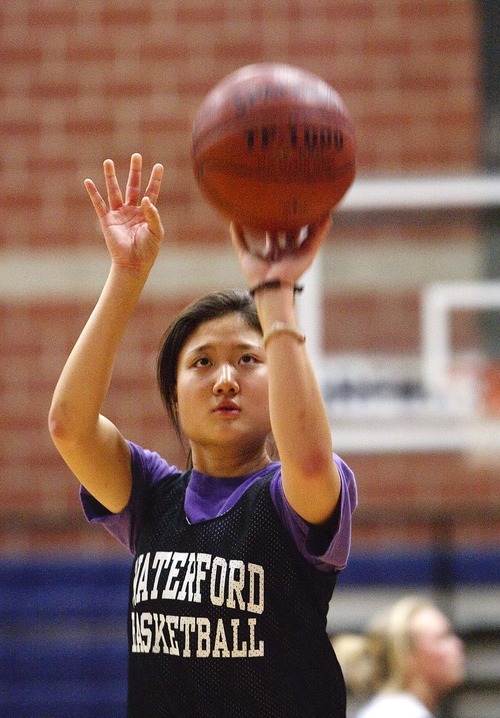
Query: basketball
(273,147)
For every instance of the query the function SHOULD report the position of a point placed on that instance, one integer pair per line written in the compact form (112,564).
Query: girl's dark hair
(211,306)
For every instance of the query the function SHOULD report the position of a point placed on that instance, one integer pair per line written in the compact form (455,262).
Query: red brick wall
(84,81)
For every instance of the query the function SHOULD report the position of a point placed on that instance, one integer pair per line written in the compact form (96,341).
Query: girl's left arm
(299,419)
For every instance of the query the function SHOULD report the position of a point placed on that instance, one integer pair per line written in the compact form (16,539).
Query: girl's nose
(226,380)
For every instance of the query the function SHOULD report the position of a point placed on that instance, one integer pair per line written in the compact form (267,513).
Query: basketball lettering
(273,147)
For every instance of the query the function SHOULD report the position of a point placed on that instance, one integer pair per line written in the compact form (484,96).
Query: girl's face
(222,389)
(438,654)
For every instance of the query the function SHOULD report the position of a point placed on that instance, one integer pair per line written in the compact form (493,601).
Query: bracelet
(275,284)
(283,328)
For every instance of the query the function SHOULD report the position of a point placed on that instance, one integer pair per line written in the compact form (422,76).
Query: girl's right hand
(132,229)
(288,264)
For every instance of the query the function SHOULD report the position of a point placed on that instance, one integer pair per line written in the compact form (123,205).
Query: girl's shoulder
(149,465)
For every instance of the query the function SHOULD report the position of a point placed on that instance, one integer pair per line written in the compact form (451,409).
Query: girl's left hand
(288,263)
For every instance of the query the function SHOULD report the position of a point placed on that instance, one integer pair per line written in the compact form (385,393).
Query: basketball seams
(283,218)
(256,173)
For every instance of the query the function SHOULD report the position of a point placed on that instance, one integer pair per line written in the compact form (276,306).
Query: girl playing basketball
(235,559)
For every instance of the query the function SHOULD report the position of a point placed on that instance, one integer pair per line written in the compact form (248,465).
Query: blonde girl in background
(406,662)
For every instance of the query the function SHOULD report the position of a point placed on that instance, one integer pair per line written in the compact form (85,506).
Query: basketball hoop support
(379,194)
(438,302)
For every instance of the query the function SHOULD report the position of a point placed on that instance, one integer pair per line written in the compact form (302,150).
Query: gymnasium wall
(86,80)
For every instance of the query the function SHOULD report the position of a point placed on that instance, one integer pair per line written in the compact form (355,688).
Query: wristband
(275,284)
(283,328)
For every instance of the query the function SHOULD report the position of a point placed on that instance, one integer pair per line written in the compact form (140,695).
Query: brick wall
(87,80)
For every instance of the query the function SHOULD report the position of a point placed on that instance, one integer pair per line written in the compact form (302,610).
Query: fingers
(152,217)
(316,235)
(272,247)
(269,247)
(238,238)
(284,243)
(96,199)
(115,198)
(133,189)
(324,224)
(153,188)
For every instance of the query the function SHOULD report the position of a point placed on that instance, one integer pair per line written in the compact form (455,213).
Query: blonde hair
(377,660)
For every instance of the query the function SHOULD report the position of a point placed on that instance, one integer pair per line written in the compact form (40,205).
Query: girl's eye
(202,361)
(248,359)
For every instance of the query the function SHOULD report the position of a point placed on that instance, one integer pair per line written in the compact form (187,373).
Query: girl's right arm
(89,443)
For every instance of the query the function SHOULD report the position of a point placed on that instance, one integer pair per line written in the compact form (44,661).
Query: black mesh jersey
(226,618)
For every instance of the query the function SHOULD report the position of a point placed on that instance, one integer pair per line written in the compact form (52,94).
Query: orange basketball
(273,147)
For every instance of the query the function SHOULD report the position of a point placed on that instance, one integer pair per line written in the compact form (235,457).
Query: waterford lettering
(196,578)
(179,576)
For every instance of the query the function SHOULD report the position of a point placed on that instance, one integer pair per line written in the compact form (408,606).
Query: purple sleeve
(337,543)
(147,469)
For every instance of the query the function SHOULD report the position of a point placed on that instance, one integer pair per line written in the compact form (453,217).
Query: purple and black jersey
(229,594)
